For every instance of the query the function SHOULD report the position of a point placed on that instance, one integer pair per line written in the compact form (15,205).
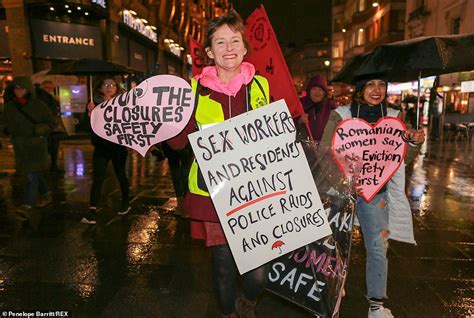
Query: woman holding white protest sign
(226,88)
(387,214)
(105,151)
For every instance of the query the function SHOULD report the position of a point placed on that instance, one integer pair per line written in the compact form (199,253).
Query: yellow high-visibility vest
(209,111)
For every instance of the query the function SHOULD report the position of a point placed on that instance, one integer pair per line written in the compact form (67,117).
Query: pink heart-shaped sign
(156,110)
(371,154)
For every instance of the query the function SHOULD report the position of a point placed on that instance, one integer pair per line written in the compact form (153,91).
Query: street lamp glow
(327,62)
(51,8)
(66,6)
(144,21)
(86,13)
(343,30)
(79,8)
(69,11)
(361,30)
(375,4)
(132,12)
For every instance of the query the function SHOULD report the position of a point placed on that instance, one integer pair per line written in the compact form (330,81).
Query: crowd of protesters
(32,119)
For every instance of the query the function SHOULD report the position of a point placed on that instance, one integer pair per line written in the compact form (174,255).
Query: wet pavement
(146,265)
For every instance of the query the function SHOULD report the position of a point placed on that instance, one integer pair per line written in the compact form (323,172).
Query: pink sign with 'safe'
(370,155)
(156,110)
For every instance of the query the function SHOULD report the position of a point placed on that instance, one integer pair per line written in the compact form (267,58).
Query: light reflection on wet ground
(145,264)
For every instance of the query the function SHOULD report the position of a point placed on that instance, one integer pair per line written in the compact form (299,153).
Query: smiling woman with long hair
(370,104)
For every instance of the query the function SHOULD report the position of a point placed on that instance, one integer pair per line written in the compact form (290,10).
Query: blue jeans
(34,183)
(373,219)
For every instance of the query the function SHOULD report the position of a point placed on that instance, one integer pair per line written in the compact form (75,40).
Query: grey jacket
(400,223)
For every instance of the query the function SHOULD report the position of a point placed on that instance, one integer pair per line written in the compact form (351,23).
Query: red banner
(195,49)
(269,62)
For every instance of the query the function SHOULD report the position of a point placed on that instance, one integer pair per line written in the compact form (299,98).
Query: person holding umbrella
(105,151)
(369,103)
(226,88)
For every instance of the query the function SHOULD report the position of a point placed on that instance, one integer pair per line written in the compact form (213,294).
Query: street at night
(237,159)
(146,265)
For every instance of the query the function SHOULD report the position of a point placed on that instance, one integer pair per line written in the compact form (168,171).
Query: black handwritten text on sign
(156,110)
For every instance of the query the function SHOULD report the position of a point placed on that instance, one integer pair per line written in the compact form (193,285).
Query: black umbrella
(347,72)
(415,58)
(408,60)
(90,67)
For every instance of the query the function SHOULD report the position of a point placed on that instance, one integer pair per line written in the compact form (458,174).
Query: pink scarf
(209,79)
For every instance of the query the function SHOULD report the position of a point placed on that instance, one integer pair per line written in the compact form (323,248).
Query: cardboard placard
(156,110)
(371,154)
(257,176)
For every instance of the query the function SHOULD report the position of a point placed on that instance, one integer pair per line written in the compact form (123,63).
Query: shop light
(69,11)
(167,41)
(132,12)
(66,6)
(446,88)
(375,4)
(145,21)
(181,48)
(51,8)
(79,8)
(343,30)
(327,62)
(361,30)
(153,27)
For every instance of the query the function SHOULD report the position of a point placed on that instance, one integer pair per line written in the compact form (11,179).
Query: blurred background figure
(29,122)
(179,162)
(48,86)
(45,93)
(105,151)
(317,105)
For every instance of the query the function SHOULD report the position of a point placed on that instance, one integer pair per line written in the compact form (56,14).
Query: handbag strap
(27,116)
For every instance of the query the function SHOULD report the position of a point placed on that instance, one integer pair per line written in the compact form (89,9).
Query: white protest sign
(156,110)
(260,184)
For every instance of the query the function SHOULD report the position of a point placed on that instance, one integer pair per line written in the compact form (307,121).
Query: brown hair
(358,94)
(235,23)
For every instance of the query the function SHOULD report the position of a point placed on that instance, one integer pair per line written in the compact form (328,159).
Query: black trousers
(53,150)
(100,162)
(179,163)
(224,273)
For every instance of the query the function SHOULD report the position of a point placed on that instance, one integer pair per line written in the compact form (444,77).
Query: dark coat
(31,150)
(318,113)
